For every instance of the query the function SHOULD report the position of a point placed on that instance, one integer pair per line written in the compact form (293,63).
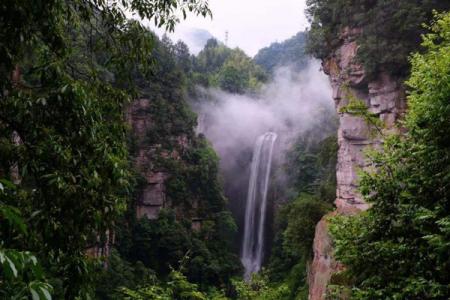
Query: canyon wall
(151,195)
(383,96)
(148,161)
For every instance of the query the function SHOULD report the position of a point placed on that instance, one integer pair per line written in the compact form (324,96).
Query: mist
(290,104)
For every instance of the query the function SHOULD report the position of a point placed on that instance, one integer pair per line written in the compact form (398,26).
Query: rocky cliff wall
(148,160)
(385,97)
(152,196)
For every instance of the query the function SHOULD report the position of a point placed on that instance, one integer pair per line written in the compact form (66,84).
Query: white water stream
(255,211)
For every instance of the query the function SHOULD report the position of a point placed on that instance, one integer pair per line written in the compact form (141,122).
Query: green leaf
(46,293)
(11,266)
(34,294)
(12,214)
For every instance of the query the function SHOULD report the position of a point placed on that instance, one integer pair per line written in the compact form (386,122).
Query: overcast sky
(251,24)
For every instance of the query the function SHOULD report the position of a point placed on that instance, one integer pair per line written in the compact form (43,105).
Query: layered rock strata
(383,96)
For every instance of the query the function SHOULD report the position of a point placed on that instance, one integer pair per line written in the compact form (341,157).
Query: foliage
(258,288)
(311,167)
(399,249)
(229,69)
(21,275)
(390,30)
(195,178)
(176,287)
(289,53)
(296,223)
(302,215)
(166,88)
(121,273)
(66,73)
(164,243)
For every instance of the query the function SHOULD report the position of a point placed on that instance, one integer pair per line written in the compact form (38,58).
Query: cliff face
(152,196)
(148,160)
(383,96)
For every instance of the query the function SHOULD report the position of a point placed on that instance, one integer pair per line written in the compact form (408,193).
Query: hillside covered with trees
(228,69)
(289,53)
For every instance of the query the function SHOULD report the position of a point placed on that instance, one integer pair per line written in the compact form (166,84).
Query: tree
(258,288)
(177,287)
(183,57)
(229,69)
(21,274)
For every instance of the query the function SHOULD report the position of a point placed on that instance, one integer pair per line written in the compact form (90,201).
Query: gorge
(315,168)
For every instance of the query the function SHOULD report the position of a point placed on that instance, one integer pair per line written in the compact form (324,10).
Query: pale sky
(251,24)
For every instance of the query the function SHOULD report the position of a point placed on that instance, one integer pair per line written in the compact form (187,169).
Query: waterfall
(255,211)
(201,123)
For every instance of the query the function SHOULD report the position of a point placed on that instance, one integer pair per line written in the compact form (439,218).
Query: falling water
(255,211)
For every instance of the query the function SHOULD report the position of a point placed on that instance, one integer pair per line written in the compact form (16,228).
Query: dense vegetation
(288,53)
(68,68)
(161,246)
(390,30)
(399,249)
(228,69)
(69,184)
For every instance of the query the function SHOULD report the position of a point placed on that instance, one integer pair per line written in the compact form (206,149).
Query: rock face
(152,195)
(101,247)
(385,97)
(323,264)
(152,192)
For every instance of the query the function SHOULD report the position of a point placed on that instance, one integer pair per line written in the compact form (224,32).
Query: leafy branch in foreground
(21,276)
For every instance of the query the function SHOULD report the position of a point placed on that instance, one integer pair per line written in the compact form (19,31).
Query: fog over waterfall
(289,105)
